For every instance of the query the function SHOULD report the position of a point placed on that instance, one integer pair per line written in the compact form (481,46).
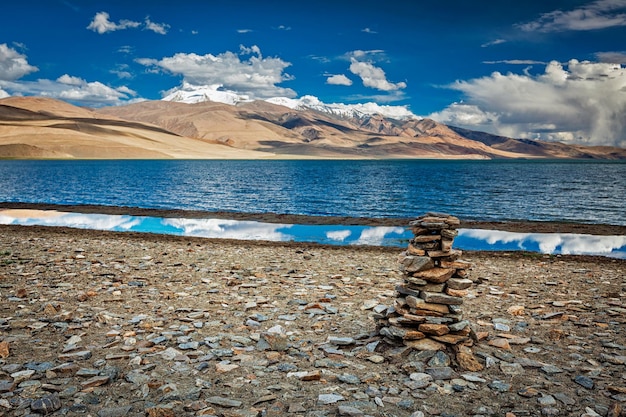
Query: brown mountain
(271,128)
(543,149)
(33,127)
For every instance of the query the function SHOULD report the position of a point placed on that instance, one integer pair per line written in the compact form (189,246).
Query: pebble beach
(111,324)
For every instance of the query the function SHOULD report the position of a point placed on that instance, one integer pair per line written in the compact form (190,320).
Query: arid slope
(47,128)
(37,127)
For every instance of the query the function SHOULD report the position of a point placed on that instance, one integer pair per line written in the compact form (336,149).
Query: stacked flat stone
(427,311)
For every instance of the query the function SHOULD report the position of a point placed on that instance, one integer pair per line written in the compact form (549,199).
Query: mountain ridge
(37,127)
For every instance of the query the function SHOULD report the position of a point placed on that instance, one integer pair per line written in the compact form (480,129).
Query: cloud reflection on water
(549,243)
(230,229)
(338,235)
(76,220)
(376,235)
(468,239)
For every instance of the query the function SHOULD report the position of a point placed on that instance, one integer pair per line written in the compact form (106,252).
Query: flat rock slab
(223,402)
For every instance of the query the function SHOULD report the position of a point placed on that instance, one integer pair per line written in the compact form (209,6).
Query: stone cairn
(427,312)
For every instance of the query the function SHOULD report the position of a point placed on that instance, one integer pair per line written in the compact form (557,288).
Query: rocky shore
(109,324)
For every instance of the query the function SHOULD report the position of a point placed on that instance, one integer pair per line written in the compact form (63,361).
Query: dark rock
(441,373)
(349,379)
(46,405)
(584,381)
(439,359)
(500,386)
(39,366)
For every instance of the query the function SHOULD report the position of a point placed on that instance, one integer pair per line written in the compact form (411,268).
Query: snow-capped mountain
(192,94)
(196,94)
(357,111)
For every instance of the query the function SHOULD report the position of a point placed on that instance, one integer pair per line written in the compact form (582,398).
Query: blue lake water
(500,190)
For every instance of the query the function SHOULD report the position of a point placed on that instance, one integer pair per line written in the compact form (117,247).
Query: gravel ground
(112,324)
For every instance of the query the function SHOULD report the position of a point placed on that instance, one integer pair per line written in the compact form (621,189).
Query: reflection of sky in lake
(553,243)
(468,239)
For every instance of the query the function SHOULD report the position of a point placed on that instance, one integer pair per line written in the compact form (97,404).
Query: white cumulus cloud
(515,62)
(78,90)
(13,65)
(599,14)
(101,24)
(338,79)
(492,43)
(257,76)
(72,89)
(373,76)
(160,28)
(583,102)
(612,56)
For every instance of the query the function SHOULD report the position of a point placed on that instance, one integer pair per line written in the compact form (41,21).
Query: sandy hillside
(46,128)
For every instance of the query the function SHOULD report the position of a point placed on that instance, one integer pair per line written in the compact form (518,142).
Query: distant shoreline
(510,226)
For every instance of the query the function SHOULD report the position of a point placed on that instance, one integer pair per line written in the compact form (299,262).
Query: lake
(497,190)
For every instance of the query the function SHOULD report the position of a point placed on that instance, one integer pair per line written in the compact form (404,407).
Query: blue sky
(552,70)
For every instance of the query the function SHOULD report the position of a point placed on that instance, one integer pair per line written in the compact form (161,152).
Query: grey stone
(457,327)
(416,263)
(223,402)
(584,381)
(441,373)
(325,399)
(345,410)
(437,298)
(550,411)
(39,366)
(222,353)
(159,340)
(511,368)
(20,376)
(546,400)
(88,372)
(439,359)
(189,346)
(564,398)
(340,341)
(459,283)
(501,327)
(499,386)
(473,378)
(114,411)
(6,385)
(551,369)
(75,356)
(46,405)
(287,367)
(349,379)
(421,379)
